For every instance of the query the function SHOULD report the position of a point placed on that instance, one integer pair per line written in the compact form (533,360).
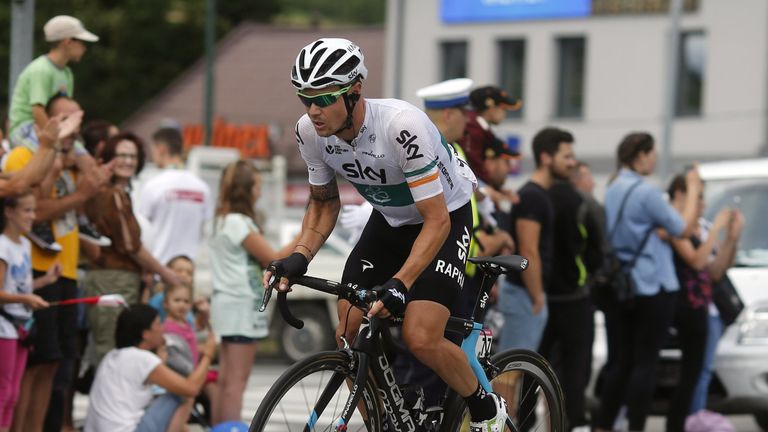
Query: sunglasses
(322,100)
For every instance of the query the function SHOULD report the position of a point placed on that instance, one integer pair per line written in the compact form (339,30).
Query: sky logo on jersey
(358,171)
(406,140)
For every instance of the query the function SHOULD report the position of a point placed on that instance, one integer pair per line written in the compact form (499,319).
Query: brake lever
(267,292)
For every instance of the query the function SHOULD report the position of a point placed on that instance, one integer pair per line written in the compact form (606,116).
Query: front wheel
(530,387)
(311,394)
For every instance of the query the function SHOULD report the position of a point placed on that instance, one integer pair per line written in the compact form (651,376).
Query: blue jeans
(159,413)
(714,331)
(522,329)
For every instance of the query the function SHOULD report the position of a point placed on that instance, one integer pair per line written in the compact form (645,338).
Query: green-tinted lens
(322,100)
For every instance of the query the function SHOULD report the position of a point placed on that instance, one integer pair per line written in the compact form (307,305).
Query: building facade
(596,68)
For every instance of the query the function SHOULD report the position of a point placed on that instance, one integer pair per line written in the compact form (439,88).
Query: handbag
(726,300)
(26,328)
(615,277)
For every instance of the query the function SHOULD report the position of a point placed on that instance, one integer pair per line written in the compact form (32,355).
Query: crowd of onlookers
(73,227)
(647,261)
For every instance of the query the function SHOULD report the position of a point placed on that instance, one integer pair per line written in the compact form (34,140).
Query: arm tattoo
(324,193)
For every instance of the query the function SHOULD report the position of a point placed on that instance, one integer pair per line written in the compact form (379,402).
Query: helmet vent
(317,44)
(330,61)
(347,67)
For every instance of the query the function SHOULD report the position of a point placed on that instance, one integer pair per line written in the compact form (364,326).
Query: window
(690,73)
(512,71)
(454,60)
(570,80)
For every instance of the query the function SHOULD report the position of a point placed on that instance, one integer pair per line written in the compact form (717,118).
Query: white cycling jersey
(397,159)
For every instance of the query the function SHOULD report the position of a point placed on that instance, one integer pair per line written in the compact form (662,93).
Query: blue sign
(463,11)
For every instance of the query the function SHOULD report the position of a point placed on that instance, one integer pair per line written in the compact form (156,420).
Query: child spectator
(178,306)
(238,254)
(121,396)
(185,269)
(18,298)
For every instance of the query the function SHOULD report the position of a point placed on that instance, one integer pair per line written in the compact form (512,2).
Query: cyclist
(414,247)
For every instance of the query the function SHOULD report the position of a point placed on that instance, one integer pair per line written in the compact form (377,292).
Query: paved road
(263,375)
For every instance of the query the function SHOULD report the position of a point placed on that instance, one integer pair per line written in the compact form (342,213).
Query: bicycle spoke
(285,417)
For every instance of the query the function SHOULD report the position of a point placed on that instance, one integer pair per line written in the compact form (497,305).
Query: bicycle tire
(328,361)
(514,361)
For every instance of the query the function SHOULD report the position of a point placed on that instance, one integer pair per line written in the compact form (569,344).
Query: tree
(143,45)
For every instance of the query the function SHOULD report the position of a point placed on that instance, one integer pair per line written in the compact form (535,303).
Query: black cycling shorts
(383,249)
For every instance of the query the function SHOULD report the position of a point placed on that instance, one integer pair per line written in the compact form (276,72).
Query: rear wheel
(311,395)
(528,384)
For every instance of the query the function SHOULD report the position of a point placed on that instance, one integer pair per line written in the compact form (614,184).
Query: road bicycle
(354,387)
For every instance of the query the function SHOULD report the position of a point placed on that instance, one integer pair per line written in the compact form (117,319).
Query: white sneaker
(498,422)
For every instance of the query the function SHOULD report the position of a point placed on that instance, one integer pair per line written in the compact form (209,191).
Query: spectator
(45,77)
(121,396)
(238,253)
(569,332)
(39,83)
(176,202)
(95,134)
(58,197)
(17,298)
(41,163)
(717,268)
(641,325)
(185,270)
(117,269)
(490,105)
(692,257)
(178,305)
(523,298)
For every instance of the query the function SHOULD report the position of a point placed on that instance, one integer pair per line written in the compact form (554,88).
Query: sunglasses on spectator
(322,100)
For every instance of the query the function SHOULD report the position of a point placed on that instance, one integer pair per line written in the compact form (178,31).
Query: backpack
(613,281)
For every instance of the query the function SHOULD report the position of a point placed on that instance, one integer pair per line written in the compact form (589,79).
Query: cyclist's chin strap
(350,100)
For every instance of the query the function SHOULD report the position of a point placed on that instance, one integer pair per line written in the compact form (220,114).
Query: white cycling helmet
(326,62)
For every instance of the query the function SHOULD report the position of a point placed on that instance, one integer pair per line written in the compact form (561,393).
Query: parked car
(740,382)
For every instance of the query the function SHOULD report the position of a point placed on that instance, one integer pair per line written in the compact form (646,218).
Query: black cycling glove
(392,294)
(294,264)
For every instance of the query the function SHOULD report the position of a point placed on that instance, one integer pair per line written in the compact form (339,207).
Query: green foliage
(146,44)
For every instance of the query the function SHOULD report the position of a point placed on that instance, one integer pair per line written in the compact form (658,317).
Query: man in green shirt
(45,77)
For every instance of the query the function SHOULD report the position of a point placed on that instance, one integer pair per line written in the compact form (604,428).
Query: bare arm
(31,300)
(528,232)
(88,185)
(39,115)
(690,211)
(33,173)
(499,242)
(149,263)
(727,252)
(53,208)
(434,231)
(190,386)
(320,219)
(698,258)
(258,247)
